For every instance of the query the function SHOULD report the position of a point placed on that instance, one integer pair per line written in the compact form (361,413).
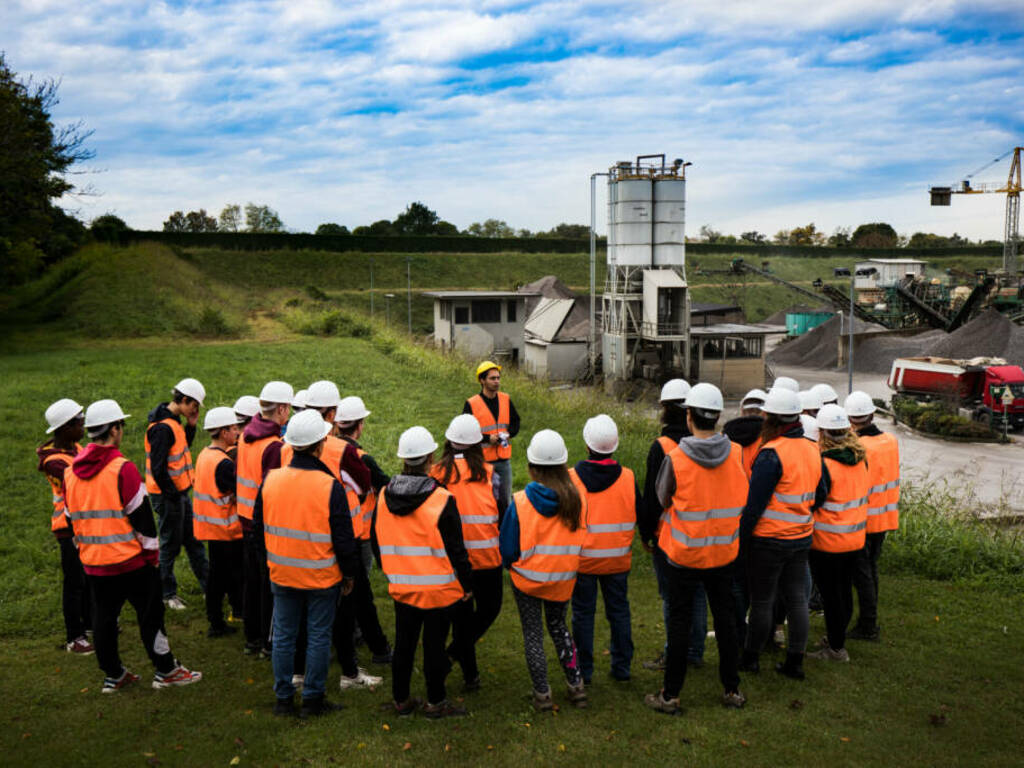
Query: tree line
(874,235)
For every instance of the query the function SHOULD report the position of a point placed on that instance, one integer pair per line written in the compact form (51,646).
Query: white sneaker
(175,603)
(298,681)
(361,680)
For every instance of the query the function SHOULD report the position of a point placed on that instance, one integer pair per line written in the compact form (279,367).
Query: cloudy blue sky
(836,112)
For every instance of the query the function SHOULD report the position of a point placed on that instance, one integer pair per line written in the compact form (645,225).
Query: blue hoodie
(544,501)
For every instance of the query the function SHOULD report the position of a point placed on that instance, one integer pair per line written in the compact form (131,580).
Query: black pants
(772,568)
(143,589)
(434,623)
(833,573)
(365,613)
(865,581)
(257,602)
(472,618)
(225,580)
(680,584)
(76,601)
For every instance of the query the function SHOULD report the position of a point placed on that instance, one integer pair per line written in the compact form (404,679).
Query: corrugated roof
(479,294)
(547,318)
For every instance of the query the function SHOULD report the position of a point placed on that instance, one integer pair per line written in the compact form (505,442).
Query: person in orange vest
(613,505)
(839,527)
(65,421)
(499,422)
(259,451)
(883,457)
(169,476)
(541,536)
(215,518)
(117,542)
(302,520)
(702,486)
(464,473)
(245,408)
(745,429)
(786,486)
(417,534)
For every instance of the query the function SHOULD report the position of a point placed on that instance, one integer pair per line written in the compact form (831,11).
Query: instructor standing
(499,423)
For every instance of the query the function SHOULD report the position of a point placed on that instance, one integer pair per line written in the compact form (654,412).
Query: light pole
(593,270)
(371,286)
(408,288)
(387,307)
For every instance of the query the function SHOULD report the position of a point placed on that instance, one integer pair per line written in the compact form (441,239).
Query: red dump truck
(989,392)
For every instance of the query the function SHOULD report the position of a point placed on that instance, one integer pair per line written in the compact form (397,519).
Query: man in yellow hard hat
(499,423)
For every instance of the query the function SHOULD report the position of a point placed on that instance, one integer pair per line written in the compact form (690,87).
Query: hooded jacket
(258,429)
(745,430)
(706,452)
(405,493)
(161,438)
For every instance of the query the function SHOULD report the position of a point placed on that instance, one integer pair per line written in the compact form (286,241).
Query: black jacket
(745,430)
(647,522)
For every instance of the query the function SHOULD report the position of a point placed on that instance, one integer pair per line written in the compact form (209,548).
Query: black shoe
(285,708)
(472,686)
(443,709)
(862,633)
(792,667)
(407,707)
(318,707)
(383,658)
(749,662)
(252,647)
(222,630)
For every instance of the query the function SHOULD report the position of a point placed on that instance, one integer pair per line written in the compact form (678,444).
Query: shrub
(212,323)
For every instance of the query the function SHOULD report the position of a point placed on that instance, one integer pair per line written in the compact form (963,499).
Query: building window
(446,310)
(462,315)
(511,312)
(486,311)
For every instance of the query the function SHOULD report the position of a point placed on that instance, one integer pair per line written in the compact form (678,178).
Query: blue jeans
(503,469)
(288,605)
(614,588)
(174,522)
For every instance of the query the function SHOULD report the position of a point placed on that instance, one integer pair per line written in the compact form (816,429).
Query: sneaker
(443,709)
(318,707)
(115,684)
(733,699)
(659,703)
(81,646)
(471,686)
(577,695)
(175,603)
(864,633)
(298,681)
(384,657)
(252,647)
(361,680)
(542,701)
(779,637)
(827,653)
(657,664)
(407,707)
(221,631)
(285,708)
(177,676)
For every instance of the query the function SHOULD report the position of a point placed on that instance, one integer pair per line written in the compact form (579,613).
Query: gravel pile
(819,348)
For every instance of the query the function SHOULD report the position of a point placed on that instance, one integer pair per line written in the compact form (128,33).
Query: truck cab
(998,380)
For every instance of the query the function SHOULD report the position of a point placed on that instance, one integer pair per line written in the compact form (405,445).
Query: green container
(799,323)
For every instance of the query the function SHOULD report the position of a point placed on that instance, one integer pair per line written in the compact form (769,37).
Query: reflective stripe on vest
(103,532)
(478,512)
(549,552)
(788,515)
(611,518)
(413,556)
(703,529)
(58,520)
(297,529)
(883,453)
(214,514)
(488,424)
(249,472)
(840,523)
(331,456)
(179,460)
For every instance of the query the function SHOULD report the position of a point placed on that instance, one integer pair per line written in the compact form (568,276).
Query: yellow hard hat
(485,366)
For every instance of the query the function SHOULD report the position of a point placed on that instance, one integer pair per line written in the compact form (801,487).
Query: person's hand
(347,585)
(466,597)
(493,438)
(193,418)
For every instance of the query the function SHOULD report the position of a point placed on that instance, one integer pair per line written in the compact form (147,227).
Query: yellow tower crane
(1012,188)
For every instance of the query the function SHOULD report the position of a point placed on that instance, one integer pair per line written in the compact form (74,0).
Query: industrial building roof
(696,307)
(547,317)
(736,329)
(891,261)
(479,294)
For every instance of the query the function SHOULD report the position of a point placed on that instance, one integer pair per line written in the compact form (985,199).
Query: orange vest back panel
(249,473)
(479,513)
(58,520)
(840,523)
(214,514)
(788,515)
(611,520)
(489,426)
(749,454)
(179,459)
(884,468)
(103,533)
(549,553)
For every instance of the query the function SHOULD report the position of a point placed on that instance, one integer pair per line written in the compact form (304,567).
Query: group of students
(295,511)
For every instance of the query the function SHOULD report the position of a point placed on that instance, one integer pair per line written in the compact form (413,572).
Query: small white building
(556,337)
(481,324)
(886,272)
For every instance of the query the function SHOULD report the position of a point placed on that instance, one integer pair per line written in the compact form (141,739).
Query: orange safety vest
(103,533)
(297,528)
(611,519)
(667,446)
(705,517)
(840,523)
(369,506)
(59,521)
(179,459)
(788,515)
(749,454)
(549,553)
(249,473)
(413,557)
(334,450)
(884,469)
(214,515)
(479,513)
(489,426)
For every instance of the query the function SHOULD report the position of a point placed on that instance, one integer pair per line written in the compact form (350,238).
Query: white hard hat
(60,413)
(219,417)
(103,412)
(464,429)
(706,397)
(810,426)
(782,402)
(299,400)
(832,416)
(809,400)
(547,448)
(825,393)
(306,428)
(351,408)
(415,443)
(192,388)
(859,403)
(784,382)
(753,396)
(674,389)
(600,434)
(247,405)
(277,392)
(322,394)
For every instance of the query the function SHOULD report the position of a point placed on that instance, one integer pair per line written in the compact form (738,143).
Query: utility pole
(408,288)
(387,307)
(849,353)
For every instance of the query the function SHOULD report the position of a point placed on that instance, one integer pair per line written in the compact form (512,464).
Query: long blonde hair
(838,439)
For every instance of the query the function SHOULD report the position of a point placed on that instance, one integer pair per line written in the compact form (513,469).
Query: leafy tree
(445,228)
(332,229)
(753,237)
(230,219)
(108,228)
(175,222)
(808,235)
(875,235)
(709,235)
(781,237)
(416,219)
(382,227)
(261,218)
(200,221)
(490,228)
(840,238)
(568,231)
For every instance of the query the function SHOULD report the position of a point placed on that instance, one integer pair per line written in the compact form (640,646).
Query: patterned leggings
(530,609)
